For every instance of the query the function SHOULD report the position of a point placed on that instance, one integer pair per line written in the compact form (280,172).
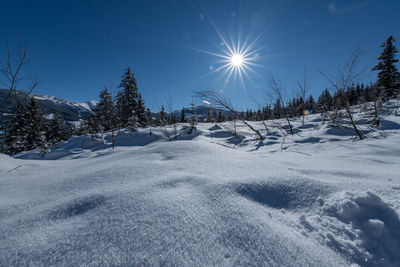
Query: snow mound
(86,146)
(360,226)
(186,181)
(388,125)
(284,195)
(186,133)
(77,207)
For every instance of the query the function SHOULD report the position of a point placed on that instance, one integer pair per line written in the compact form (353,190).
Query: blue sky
(81,46)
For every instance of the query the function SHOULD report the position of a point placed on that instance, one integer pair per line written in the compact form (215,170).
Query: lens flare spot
(237,60)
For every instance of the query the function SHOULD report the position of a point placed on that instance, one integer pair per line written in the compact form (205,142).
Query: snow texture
(317,198)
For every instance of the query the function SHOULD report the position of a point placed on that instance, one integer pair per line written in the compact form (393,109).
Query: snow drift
(215,197)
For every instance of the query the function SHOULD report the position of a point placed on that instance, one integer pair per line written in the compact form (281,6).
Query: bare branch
(11,71)
(278,94)
(347,75)
(224,103)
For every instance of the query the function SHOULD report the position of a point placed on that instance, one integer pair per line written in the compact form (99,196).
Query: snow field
(318,198)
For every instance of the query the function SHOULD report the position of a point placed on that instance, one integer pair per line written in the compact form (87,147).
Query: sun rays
(238,60)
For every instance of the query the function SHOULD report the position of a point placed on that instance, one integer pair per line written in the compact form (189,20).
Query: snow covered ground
(318,198)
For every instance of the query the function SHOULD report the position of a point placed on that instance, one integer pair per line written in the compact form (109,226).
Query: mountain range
(72,111)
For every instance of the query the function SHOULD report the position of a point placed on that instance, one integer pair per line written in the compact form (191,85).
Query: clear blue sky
(81,46)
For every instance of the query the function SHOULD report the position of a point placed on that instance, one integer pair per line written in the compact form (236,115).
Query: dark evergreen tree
(299,107)
(310,104)
(351,96)
(259,115)
(324,102)
(209,116)
(359,93)
(278,109)
(93,126)
(103,112)
(43,144)
(149,117)
(182,119)
(83,128)
(56,130)
(250,115)
(214,115)
(121,110)
(162,117)
(141,111)
(388,75)
(35,130)
(15,140)
(133,122)
(221,117)
(127,100)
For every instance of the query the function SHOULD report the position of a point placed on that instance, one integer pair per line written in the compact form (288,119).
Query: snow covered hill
(49,105)
(317,198)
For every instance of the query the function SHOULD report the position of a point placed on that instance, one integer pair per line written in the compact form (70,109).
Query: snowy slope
(318,198)
(70,110)
(81,106)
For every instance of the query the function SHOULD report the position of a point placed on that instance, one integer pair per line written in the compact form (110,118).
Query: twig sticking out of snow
(14,168)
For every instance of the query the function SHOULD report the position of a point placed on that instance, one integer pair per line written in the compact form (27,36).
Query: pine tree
(324,102)
(104,110)
(133,122)
(259,115)
(359,93)
(162,118)
(310,104)
(220,117)
(209,116)
(83,128)
(43,144)
(214,116)
(299,107)
(388,75)
(93,126)
(141,111)
(182,119)
(128,99)
(34,126)
(277,109)
(149,117)
(15,140)
(121,109)
(56,130)
(351,95)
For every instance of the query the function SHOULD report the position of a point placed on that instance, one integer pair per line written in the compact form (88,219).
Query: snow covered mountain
(69,110)
(74,110)
(216,197)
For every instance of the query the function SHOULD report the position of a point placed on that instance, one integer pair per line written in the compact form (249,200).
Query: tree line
(30,129)
(346,93)
(126,110)
(298,106)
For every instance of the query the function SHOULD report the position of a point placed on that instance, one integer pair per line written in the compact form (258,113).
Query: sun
(237,60)
(237,57)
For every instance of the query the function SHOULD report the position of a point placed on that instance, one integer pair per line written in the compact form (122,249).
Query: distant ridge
(69,110)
